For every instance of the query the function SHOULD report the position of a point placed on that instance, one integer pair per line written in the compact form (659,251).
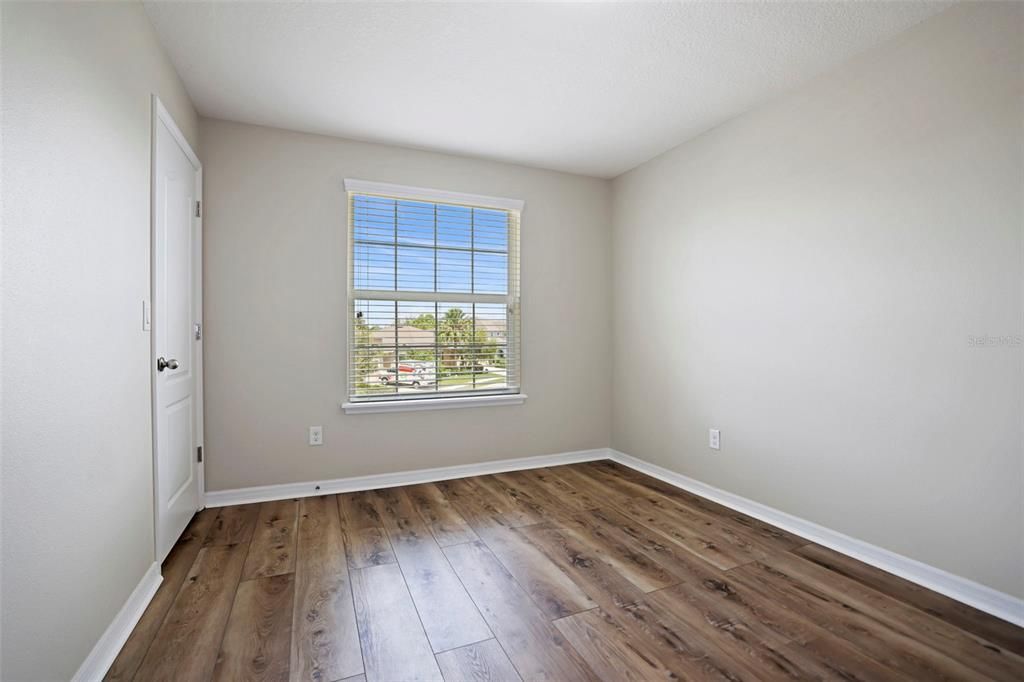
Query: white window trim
(433,195)
(391,190)
(373,406)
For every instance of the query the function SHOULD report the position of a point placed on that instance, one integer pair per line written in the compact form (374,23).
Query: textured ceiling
(592,88)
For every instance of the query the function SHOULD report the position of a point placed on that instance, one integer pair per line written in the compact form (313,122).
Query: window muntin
(433,305)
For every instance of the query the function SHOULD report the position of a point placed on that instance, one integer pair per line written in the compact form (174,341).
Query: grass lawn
(482,378)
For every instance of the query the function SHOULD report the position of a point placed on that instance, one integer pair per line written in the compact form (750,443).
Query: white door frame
(162,116)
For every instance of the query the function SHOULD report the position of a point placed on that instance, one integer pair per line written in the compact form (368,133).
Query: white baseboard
(979,596)
(265,493)
(102,656)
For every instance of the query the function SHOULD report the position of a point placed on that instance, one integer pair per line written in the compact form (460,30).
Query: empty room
(511,341)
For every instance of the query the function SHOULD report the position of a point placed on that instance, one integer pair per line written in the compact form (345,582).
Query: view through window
(434,299)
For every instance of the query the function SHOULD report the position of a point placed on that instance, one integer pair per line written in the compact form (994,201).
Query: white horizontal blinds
(434,304)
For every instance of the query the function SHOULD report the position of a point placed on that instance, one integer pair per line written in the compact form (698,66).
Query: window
(433,298)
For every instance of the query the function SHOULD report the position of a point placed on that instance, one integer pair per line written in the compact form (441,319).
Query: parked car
(414,377)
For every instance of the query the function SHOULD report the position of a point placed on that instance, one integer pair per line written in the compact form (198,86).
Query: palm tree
(454,333)
(423,321)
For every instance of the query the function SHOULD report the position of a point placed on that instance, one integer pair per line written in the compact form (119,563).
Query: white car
(415,378)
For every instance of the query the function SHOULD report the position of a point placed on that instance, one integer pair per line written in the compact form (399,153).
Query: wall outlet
(316,435)
(714,439)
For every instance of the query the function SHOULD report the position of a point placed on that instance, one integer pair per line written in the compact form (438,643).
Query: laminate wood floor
(581,572)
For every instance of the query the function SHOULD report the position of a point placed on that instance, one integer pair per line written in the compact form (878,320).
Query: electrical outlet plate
(714,439)
(316,435)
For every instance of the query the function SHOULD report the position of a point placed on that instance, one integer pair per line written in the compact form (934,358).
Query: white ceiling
(587,88)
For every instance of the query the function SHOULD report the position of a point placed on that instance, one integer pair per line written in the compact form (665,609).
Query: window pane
(414,347)
(373,347)
(373,219)
(490,273)
(491,340)
(490,230)
(415,269)
(468,358)
(374,317)
(454,226)
(454,270)
(454,341)
(415,223)
(416,371)
(373,267)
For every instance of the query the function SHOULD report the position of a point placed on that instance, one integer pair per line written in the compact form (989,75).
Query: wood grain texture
(568,495)
(481,662)
(738,636)
(517,509)
(782,540)
(366,541)
(612,650)
(186,646)
(272,551)
(584,565)
(393,642)
(977,653)
(445,523)
(683,646)
(830,658)
(234,525)
(449,616)
(325,639)
(892,649)
(587,571)
(174,570)
(602,530)
(258,634)
(533,644)
(997,631)
(549,587)
(537,498)
(714,542)
(721,600)
(678,565)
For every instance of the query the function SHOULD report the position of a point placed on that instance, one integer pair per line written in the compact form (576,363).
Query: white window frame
(512,298)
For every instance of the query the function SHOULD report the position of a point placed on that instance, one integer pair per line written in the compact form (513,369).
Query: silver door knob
(162,364)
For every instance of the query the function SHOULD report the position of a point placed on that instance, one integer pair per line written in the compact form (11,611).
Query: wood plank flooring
(582,572)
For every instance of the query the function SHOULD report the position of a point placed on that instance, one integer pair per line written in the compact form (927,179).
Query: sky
(471,253)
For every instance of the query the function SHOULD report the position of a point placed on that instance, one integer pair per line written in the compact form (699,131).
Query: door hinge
(197,331)
(199,453)
(199,209)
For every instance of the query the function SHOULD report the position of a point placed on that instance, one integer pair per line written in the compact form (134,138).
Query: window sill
(434,403)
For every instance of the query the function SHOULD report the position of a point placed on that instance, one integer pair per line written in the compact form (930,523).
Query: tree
(486,348)
(454,332)
(423,321)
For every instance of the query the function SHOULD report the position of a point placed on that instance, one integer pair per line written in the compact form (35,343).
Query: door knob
(162,364)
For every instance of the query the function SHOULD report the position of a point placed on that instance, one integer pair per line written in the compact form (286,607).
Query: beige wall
(275,264)
(806,278)
(77,502)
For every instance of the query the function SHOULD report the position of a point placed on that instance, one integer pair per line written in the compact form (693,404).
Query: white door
(176,316)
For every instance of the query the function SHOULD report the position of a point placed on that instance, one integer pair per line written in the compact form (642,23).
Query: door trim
(160,115)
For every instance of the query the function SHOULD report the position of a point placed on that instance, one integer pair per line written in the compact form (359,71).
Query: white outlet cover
(714,439)
(316,435)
